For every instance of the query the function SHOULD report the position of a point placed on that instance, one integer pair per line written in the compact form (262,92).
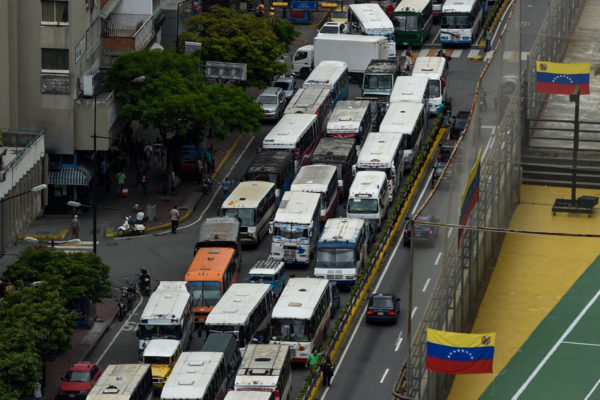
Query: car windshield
(290,329)
(157,360)
(382,302)
(78,376)
(335,257)
(160,331)
(378,82)
(267,99)
(434,88)
(206,293)
(408,23)
(329,29)
(284,85)
(460,123)
(362,206)
(245,215)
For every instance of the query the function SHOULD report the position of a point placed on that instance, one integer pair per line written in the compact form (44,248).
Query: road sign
(83,246)
(225,70)
(304,5)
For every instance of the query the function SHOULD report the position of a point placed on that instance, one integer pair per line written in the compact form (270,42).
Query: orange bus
(212,272)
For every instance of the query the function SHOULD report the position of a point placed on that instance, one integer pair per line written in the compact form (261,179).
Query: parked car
(457,126)
(425,234)
(383,307)
(78,381)
(438,168)
(445,150)
(333,27)
(272,101)
(288,84)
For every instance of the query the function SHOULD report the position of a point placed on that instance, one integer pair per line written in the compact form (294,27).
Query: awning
(108,8)
(78,176)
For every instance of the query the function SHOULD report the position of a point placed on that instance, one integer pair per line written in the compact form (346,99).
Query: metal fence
(497,128)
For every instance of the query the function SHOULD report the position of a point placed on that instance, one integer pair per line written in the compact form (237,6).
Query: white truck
(355,50)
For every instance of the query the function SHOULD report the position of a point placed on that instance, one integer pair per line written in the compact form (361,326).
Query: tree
(174,95)
(232,36)
(20,364)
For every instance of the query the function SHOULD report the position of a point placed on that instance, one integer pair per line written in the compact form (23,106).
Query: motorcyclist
(144,278)
(139,217)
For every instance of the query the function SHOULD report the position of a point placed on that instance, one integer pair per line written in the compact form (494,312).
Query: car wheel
(120,232)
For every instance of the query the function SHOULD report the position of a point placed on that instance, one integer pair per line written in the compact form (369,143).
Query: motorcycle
(207,184)
(128,296)
(145,283)
(130,227)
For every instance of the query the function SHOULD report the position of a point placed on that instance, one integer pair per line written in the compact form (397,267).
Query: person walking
(144,181)
(446,118)
(227,185)
(313,358)
(75,227)
(328,367)
(121,178)
(174,219)
(488,39)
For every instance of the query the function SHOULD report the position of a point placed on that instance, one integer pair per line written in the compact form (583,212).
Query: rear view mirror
(270,228)
(354,170)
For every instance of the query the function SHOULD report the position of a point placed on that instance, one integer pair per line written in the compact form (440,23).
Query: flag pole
(575,98)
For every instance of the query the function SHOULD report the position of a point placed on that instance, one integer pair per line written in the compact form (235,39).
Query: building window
(55,59)
(55,12)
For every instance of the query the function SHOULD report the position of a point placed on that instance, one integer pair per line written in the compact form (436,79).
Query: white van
(436,70)
(382,152)
(368,198)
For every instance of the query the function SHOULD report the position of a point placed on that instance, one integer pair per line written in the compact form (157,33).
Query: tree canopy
(232,36)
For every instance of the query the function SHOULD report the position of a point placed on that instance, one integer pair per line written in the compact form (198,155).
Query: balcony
(123,33)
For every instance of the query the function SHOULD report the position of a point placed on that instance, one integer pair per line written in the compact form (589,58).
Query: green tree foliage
(232,36)
(74,275)
(174,95)
(20,364)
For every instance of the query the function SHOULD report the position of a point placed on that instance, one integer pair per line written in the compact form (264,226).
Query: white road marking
(450,231)
(435,38)
(553,349)
(457,53)
(384,375)
(437,259)
(472,53)
(524,55)
(412,314)
(488,55)
(425,188)
(489,142)
(123,329)
(427,283)
(398,341)
(592,391)
(582,344)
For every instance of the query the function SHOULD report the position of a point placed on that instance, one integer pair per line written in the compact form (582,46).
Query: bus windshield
(378,82)
(290,330)
(206,293)
(434,88)
(157,360)
(362,206)
(456,21)
(407,22)
(335,257)
(245,215)
(163,331)
(287,233)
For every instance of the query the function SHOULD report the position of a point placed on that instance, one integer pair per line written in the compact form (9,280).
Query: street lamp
(34,189)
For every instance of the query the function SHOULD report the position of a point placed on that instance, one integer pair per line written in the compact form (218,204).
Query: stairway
(553,167)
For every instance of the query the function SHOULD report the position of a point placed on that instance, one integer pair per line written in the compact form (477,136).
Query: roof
(325,74)
(409,88)
(268,266)
(237,303)
(401,117)
(82,366)
(379,148)
(308,100)
(169,299)
(297,207)
(431,67)
(288,131)
(118,381)
(270,91)
(345,38)
(382,66)
(221,229)
(161,347)
(342,229)
(191,375)
(262,360)
(332,149)
(367,182)
(247,194)
(248,395)
(411,6)
(299,298)
(347,116)
(271,161)
(209,263)
(458,6)
(374,20)
(313,178)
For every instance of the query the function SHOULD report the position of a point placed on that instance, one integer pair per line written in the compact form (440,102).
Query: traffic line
(437,259)
(412,314)
(472,53)
(427,283)
(455,53)
(592,391)
(398,341)
(384,375)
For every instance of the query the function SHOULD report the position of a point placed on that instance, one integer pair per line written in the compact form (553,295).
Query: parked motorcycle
(145,283)
(128,296)
(207,184)
(130,227)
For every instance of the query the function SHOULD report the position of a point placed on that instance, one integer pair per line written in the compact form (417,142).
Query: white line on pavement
(472,53)
(418,203)
(437,260)
(412,314)
(582,344)
(398,341)
(592,391)
(384,375)
(426,284)
(450,231)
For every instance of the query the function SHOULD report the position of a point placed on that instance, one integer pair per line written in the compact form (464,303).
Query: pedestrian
(328,367)
(488,39)
(448,105)
(313,358)
(483,101)
(209,161)
(144,181)
(446,118)
(227,185)
(440,109)
(148,153)
(200,167)
(174,219)
(121,179)
(75,227)
(281,60)
(37,391)
(156,150)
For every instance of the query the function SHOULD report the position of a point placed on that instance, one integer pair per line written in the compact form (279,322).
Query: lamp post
(34,189)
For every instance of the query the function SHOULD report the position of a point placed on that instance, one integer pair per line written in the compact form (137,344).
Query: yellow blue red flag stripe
(460,353)
(470,196)
(562,78)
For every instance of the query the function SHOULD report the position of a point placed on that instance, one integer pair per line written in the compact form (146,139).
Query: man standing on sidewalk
(488,39)
(174,219)
(75,227)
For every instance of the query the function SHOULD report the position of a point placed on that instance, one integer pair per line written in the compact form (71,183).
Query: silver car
(288,84)
(272,101)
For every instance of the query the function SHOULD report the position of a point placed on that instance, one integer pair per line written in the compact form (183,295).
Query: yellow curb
(477,57)
(59,236)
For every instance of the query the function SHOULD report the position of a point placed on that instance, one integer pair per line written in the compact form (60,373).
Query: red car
(79,380)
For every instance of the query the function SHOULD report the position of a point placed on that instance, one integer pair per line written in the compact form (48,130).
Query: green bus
(412,22)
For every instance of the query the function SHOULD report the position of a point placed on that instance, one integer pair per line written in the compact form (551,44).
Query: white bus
(296,227)
(411,89)
(370,19)
(383,152)
(330,75)
(266,368)
(368,198)
(244,311)
(197,375)
(320,179)
(123,382)
(351,119)
(342,250)
(315,101)
(169,314)
(436,70)
(407,120)
(233,395)
(301,316)
(298,133)
(253,204)
(461,20)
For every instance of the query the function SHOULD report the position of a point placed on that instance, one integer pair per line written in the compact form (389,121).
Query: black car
(445,150)
(425,234)
(383,308)
(458,123)
(438,168)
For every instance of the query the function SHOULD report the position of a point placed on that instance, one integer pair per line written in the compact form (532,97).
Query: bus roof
(288,131)
(299,298)
(347,116)
(168,301)
(378,148)
(412,6)
(458,6)
(268,266)
(219,229)
(374,20)
(297,207)
(325,74)
(308,101)
(313,178)
(342,230)
(401,117)
(271,161)
(119,381)
(191,375)
(248,395)
(332,149)
(220,342)
(237,303)
(262,364)
(161,348)
(409,89)
(247,194)
(367,184)
(209,264)
(431,67)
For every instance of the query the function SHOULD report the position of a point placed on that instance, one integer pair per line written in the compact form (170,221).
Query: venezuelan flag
(562,78)
(470,195)
(460,353)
